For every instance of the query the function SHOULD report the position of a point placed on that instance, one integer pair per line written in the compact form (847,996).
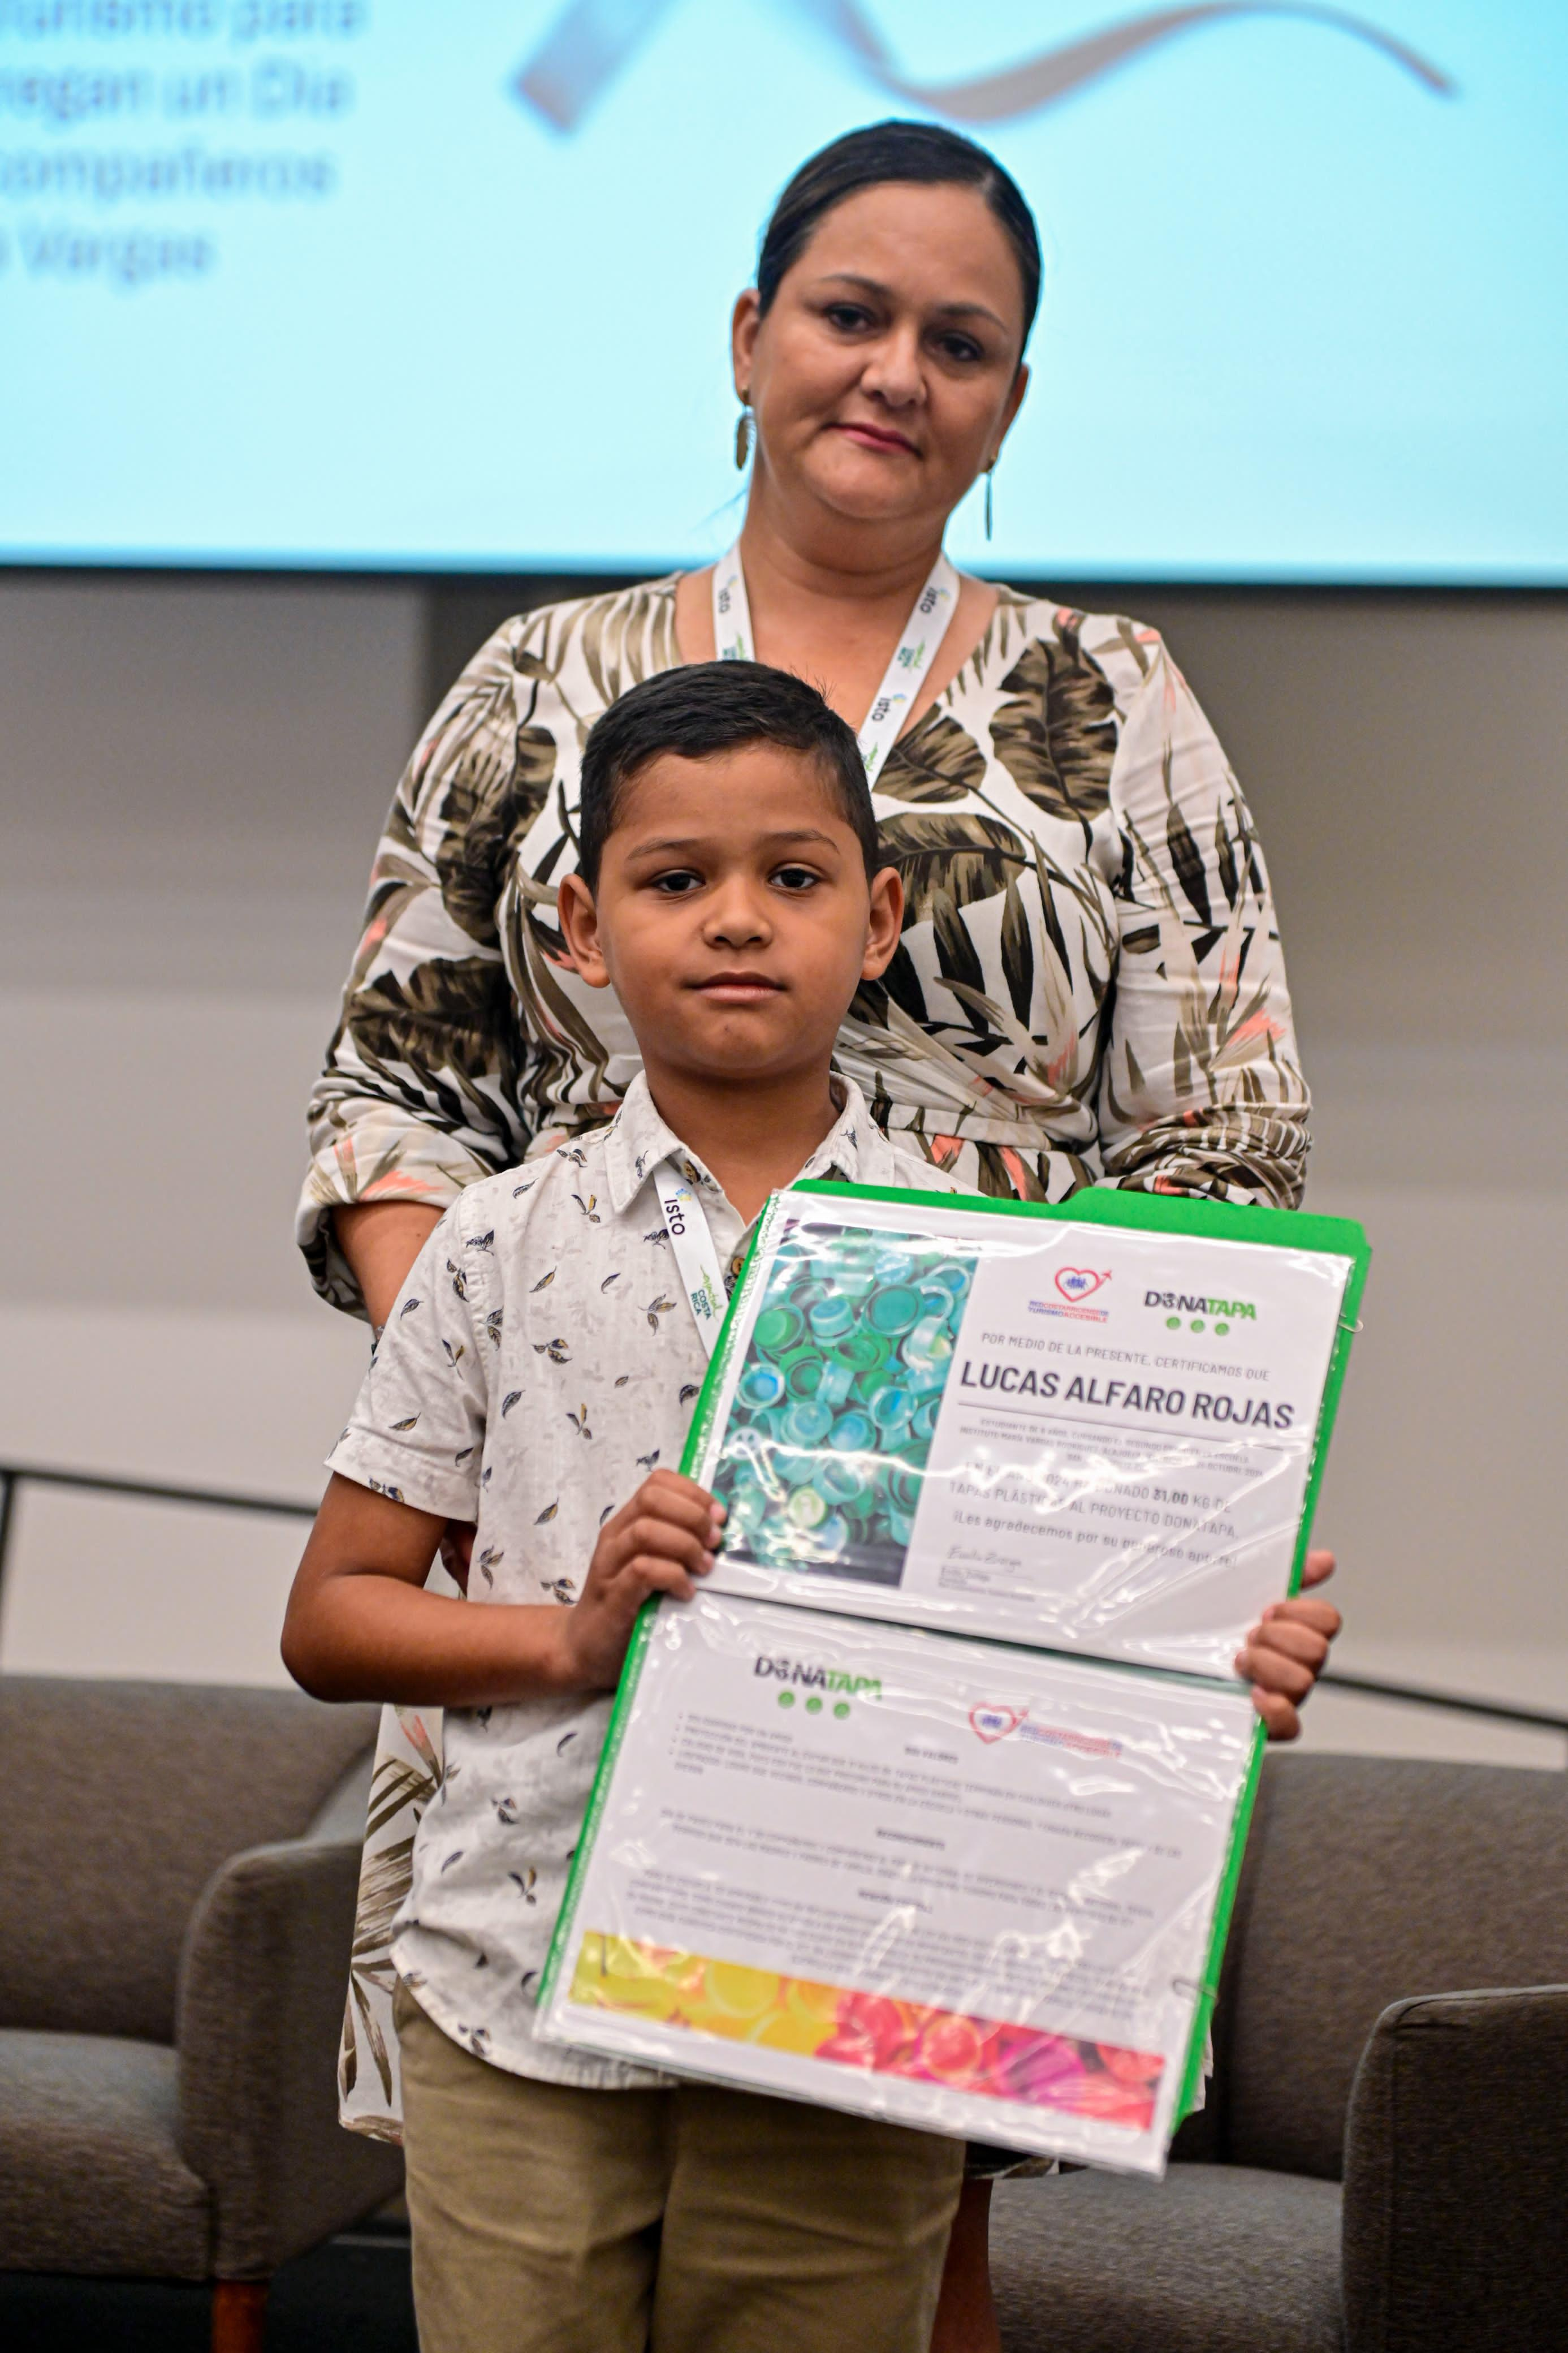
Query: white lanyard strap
(685,1223)
(923,633)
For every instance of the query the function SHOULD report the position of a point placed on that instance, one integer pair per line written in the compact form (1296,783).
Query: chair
(1383,2166)
(177,1884)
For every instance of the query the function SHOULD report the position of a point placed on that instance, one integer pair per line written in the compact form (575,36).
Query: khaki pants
(549,2219)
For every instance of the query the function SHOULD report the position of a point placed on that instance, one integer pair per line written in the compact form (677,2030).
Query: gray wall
(193,777)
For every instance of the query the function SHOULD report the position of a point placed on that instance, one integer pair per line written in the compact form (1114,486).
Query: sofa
(177,1884)
(1382,2164)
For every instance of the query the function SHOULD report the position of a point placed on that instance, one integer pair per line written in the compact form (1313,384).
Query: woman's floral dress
(1090,987)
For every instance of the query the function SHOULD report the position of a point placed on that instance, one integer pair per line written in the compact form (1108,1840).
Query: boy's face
(733,916)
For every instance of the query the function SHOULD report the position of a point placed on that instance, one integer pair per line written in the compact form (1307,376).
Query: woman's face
(886,375)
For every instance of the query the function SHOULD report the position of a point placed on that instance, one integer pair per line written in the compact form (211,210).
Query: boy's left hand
(1285,1653)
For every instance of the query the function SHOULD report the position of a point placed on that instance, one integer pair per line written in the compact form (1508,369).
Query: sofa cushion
(91,2179)
(121,1800)
(1214,2259)
(1369,1879)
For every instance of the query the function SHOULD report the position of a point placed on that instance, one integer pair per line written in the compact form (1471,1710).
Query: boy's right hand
(658,1542)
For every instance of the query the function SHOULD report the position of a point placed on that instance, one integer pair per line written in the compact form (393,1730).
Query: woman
(1089,987)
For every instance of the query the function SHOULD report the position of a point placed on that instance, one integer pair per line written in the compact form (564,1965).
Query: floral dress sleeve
(421,1091)
(1200,1088)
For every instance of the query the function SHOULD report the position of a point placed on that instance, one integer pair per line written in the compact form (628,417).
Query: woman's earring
(990,469)
(742,440)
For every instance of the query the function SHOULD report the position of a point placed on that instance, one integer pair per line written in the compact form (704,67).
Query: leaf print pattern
(1065,785)
(1055,732)
(938,763)
(465,1454)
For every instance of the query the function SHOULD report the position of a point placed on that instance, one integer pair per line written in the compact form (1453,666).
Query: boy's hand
(666,1535)
(1285,1653)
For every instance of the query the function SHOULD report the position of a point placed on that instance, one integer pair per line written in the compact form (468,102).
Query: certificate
(969,1888)
(1097,1428)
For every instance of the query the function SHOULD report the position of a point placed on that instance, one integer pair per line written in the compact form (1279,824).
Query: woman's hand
(458,1551)
(666,1535)
(1285,1653)
(381,1240)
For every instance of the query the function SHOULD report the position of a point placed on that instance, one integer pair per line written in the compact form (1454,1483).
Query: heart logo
(1077,1281)
(995,1722)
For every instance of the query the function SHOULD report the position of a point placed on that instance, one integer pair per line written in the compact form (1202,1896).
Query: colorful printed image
(836,1402)
(910,2040)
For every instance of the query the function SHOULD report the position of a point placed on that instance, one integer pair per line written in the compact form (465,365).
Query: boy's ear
(579,921)
(885,923)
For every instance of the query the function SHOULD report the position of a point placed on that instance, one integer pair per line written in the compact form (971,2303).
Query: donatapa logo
(995,1722)
(1076,1282)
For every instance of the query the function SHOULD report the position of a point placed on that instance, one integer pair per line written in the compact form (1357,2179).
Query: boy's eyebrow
(673,843)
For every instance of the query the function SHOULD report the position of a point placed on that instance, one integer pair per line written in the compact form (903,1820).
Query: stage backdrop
(383,284)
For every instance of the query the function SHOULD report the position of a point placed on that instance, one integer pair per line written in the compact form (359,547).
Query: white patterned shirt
(542,1358)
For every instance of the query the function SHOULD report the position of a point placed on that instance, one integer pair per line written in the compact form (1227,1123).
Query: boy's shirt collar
(638,1139)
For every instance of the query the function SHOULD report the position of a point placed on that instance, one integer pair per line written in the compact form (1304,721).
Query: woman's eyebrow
(943,310)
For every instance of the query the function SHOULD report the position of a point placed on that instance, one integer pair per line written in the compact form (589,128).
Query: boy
(538,1375)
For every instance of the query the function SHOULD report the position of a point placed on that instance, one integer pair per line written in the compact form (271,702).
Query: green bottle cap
(776,1328)
(806,1508)
(806,1373)
(831,1316)
(761,1386)
(863,1351)
(890,1407)
(807,1422)
(839,1481)
(894,1309)
(903,1490)
(853,1433)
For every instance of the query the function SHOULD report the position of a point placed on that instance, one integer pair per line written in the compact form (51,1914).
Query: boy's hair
(705,708)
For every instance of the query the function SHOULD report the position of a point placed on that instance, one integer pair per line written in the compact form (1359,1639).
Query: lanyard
(923,633)
(685,1223)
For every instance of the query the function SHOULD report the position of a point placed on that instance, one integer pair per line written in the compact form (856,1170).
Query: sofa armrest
(260,2005)
(1456,2175)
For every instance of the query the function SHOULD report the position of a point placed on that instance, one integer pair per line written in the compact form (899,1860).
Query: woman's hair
(919,152)
(701,709)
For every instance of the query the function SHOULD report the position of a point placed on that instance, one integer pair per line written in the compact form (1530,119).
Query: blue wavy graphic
(593,41)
